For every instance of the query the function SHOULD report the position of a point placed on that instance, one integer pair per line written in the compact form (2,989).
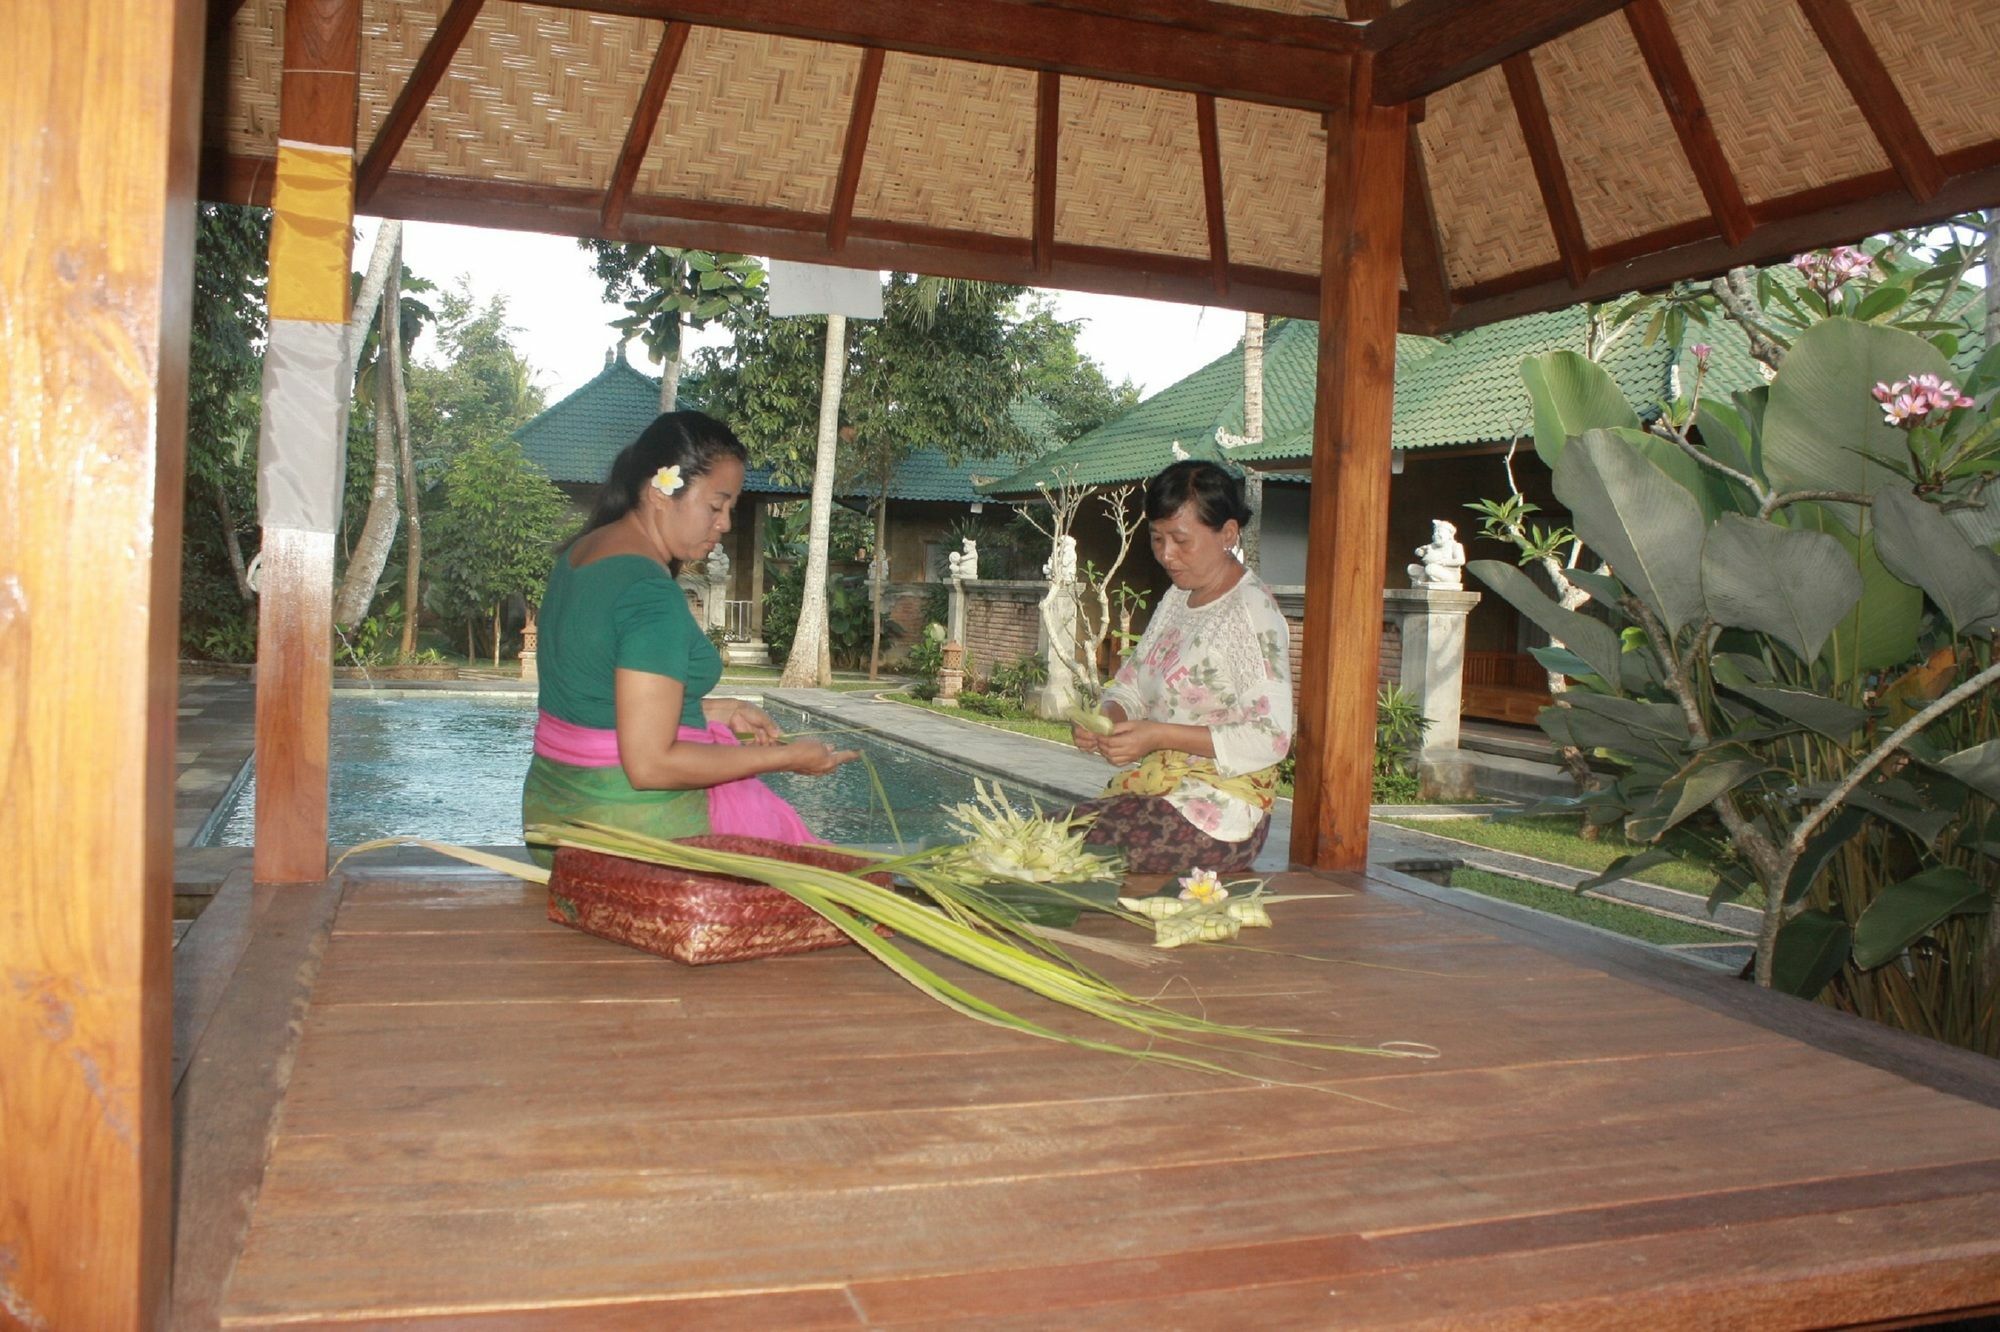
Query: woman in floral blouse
(1203,706)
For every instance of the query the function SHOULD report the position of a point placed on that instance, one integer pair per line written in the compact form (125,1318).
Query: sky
(555,302)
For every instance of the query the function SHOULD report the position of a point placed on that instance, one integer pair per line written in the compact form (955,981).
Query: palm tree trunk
(670,373)
(881,585)
(496,635)
(1253,431)
(233,544)
(378,531)
(810,661)
(413,543)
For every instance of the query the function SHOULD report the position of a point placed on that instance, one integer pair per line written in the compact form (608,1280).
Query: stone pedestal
(1432,621)
(529,637)
(951,678)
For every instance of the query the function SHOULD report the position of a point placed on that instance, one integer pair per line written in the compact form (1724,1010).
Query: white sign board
(814,289)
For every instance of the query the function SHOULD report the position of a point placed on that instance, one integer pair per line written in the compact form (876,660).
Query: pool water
(451,768)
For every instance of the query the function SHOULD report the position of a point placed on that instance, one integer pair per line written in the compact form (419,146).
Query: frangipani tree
(1793,636)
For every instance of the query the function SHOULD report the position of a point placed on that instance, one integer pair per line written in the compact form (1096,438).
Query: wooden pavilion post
(302,444)
(99,122)
(1348,527)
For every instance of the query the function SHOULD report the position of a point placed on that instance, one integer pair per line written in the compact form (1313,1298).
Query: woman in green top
(627,735)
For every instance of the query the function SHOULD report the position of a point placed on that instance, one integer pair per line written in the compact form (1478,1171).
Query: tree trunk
(496,635)
(1253,432)
(879,586)
(387,256)
(233,544)
(670,375)
(378,531)
(1992,276)
(810,660)
(413,545)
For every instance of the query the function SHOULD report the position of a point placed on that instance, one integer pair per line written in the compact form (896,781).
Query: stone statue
(1439,563)
(1061,565)
(963,563)
(718,565)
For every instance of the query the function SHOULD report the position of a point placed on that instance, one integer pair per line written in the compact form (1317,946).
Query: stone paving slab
(1043,768)
(1388,844)
(215,735)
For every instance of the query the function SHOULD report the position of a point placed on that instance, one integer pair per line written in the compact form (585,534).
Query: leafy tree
(225,361)
(940,369)
(667,291)
(496,534)
(477,388)
(1056,371)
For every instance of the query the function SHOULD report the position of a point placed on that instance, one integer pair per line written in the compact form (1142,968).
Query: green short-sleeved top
(623,611)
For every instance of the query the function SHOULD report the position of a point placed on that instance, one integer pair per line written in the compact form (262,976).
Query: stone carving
(962,565)
(718,565)
(1061,565)
(1440,563)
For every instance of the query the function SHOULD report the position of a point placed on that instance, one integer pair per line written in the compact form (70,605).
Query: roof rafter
(1048,124)
(1860,67)
(445,40)
(645,119)
(1808,220)
(866,84)
(1187,46)
(1671,75)
(1211,191)
(1546,155)
(1424,271)
(1428,45)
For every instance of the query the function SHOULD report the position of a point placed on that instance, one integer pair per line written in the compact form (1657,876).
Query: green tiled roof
(575,440)
(1465,391)
(1193,411)
(1189,413)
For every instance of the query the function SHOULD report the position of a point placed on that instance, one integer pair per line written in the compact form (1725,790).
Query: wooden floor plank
(495,1122)
(1866,1265)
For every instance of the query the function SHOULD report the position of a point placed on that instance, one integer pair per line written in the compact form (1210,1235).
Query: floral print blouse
(1226,666)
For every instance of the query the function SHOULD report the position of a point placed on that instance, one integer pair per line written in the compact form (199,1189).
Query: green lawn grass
(1628,921)
(1555,839)
(1035,726)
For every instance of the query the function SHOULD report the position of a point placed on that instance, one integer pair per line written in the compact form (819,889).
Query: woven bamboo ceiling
(1168,148)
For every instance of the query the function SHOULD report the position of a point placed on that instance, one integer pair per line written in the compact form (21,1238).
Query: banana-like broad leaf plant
(1789,652)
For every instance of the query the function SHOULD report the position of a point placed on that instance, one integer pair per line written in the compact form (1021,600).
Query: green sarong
(562,793)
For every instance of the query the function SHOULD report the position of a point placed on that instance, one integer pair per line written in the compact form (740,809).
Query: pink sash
(744,807)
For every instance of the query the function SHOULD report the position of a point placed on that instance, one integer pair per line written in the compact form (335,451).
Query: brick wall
(1002,622)
(1388,670)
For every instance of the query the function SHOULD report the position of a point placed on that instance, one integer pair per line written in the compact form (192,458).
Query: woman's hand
(1082,739)
(754,725)
(814,759)
(1128,742)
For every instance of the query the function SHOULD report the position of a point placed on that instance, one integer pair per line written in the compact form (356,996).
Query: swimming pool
(450,768)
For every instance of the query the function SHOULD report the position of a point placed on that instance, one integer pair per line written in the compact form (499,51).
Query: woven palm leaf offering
(953,901)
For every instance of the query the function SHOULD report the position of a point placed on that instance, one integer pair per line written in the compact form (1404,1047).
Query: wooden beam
(445,40)
(792,234)
(866,84)
(221,13)
(1048,132)
(1367,149)
(1211,191)
(1546,156)
(1209,48)
(645,118)
(1671,75)
(100,130)
(1424,271)
(1810,220)
(1860,67)
(1428,45)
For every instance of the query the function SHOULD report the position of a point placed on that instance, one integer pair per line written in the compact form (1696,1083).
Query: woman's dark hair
(1217,494)
(690,440)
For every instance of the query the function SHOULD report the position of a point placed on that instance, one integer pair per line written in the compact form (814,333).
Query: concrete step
(1495,776)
